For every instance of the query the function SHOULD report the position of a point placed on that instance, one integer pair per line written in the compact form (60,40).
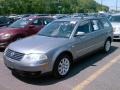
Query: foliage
(49,6)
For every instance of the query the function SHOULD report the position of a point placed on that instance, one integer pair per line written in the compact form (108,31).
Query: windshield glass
(115,19)
(21,23)
(58,29)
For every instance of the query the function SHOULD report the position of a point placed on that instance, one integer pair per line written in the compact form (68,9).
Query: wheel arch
(66,52)
(109,38)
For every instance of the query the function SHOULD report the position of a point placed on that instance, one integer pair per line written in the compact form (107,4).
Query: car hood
(7,29)
(115,24)
(38,44)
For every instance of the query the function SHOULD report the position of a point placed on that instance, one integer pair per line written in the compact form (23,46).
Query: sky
(110,3)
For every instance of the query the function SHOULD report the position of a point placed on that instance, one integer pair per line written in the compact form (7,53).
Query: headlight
(33,59)
(5,36)
(116,29)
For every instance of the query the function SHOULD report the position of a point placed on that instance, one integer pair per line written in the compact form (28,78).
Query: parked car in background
(5,21)
(58,45)
(59,16)
(15,17)
(22,28)
(115,21)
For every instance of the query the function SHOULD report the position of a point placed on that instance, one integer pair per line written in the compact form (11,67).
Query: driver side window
(83,28)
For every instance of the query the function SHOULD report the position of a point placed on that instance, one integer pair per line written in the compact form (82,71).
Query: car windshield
(115,19)
(61,29)
(21,23)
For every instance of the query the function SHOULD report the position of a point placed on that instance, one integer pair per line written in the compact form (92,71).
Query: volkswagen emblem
(12,54)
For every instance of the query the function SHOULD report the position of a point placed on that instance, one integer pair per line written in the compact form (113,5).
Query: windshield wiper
(52,36)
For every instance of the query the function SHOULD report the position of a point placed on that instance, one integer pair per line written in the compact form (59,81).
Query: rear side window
(105,23)
(96,25)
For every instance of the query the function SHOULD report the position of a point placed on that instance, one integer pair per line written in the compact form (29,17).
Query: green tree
(49,6)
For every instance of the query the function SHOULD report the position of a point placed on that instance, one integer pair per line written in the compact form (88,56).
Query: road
(95,72)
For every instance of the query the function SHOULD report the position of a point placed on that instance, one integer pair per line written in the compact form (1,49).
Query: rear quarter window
(105,23)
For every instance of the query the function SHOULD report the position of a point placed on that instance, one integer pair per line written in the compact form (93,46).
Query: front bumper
(4,45)
(5,42)
(17,65)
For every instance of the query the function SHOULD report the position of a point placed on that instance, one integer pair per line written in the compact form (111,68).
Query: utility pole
(116,5)
(101,5)
(58,4)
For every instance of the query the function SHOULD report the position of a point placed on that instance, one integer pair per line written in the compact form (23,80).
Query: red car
(22,28)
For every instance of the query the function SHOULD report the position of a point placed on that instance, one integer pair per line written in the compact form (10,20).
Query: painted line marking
(91,78)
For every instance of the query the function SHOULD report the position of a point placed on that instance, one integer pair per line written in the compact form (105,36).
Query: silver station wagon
(58,45)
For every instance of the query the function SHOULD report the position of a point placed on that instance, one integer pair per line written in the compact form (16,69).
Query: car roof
(79,18)
(68,19)
(35,17)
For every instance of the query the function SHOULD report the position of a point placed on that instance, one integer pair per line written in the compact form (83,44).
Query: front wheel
(62,66)
(107,45)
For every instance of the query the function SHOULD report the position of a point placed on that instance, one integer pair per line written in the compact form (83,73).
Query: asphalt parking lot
(95,72)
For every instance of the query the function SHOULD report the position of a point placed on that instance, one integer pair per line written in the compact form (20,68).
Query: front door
(82,44)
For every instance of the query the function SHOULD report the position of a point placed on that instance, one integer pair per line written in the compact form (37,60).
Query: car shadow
(116,40)
(80,65)
(2,49)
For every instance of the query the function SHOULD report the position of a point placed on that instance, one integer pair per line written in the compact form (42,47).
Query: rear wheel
(107,45)
(62,66)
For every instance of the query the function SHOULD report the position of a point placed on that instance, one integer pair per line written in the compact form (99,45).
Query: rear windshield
(115,19)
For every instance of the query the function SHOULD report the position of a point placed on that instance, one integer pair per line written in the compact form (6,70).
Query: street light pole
(58,6)
(101,5)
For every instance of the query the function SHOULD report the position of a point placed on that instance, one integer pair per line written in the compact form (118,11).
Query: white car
(115,21)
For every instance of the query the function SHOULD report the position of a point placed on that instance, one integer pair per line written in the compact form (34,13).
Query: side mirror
(31,26)
(80,34)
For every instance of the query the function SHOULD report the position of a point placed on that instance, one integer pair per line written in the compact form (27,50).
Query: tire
(62,66)
(107,46)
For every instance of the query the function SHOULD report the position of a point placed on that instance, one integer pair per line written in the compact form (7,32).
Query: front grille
(116,36)
(14,55)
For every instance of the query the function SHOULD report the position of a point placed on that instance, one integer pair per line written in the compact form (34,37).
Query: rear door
(98,33)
